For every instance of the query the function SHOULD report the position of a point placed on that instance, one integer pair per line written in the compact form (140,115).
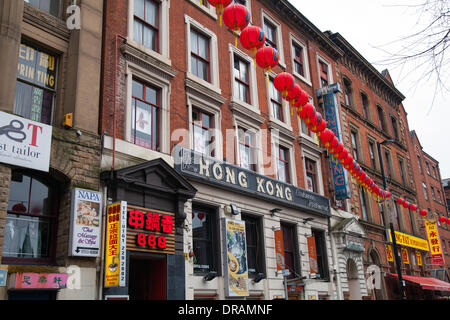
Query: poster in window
(279,250)
(236,270)
(309,183)
(85,224)
(313,265)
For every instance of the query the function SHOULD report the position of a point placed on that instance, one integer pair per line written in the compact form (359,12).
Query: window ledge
(247,111)
(303,79)
(204,88)
(45,21)
(282,127)
(209,11)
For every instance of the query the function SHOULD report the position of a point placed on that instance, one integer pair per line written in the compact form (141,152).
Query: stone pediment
(350,226)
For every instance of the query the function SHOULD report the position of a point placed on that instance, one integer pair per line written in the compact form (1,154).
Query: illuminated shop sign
(151,230)
(227,176)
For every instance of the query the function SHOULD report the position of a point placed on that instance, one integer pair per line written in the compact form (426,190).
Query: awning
(426,283)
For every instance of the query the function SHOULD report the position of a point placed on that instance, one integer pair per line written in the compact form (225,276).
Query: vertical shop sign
(405,256)
(85,226)
(437,256)
(313,265)
(236,275)
(340,180)
(389,254)
(279,250)
(419,258)
(115,255)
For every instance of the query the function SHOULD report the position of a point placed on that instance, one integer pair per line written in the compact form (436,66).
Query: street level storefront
(247,233)
(422,288)
(143,256)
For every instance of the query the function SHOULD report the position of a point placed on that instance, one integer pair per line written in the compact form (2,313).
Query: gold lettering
(288,193)
(230,175)
(279,191)
(270,188)
(217,171)
(204,167)
(243,179)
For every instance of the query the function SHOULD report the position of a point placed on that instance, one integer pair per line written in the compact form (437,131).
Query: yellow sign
(435,244)
(405,256)
(115,259)
(409,241)
(389,254)
(419,258)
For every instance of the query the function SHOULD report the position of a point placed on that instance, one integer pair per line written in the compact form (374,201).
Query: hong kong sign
(230,177)
(24,143)
(340,180)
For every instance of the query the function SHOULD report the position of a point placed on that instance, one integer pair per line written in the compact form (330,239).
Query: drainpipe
(115,95)
(335,262)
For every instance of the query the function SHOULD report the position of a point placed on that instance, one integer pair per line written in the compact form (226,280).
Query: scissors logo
(14,131)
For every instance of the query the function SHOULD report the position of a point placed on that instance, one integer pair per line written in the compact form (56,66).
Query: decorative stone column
(11,15)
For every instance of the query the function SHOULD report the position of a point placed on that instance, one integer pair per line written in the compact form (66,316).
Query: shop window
(321,252)
(30,229)
(145,114)
(36,84)
(247,149)
(255,244)
(146,23)
(204,232)
(203,133)
(283,164)
(290,245)
(50,6)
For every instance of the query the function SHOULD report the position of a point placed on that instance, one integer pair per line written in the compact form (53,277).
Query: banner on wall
(405,256)
(279,250)
(312,252)
(389,254)
(236,269)
(437,256)
(419,258)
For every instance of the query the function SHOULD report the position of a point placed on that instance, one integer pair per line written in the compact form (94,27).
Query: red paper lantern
(304,98)
(442,219)
(400,201)
(339,148)
(315,121)
(293,95)
(333,144)
(220,5)
(388,195)
(267,58)
(413,207)
(321,126)
(343,155)
(307,112)
(325,137)
(348,162)
(236,17)
(284,82)
(252,38)
(448,221)
(423,212)
(405,204)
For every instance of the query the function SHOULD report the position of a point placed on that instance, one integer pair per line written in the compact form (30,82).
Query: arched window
(31,220)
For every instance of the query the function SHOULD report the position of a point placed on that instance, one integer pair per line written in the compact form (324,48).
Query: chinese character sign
(405,256)
(151,230)
(419,258)
(389,254)
(435,245)
(40,280)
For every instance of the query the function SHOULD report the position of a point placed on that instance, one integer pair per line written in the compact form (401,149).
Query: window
(425,192)
(241,80)
(364,208)
(276,107)
(200,55)
(146,23)
(382,218)
(433,195)
(298,54)
(397,216)
(36,84)
(271,34)
(255,244)
(439,195)
(145,106)
(388,164)
(381,123)
(202,2)
(420,164)
(283,165)
(321,252)
(311,175)
(247,149)
(365,106)
(204,231)
(323,74)
(290,249)
(51,6)
(434,172)
(203,125)
(427,166)
(402,171)
(354,145)
(348,92)
(394,128)
(372,154)
(31,220)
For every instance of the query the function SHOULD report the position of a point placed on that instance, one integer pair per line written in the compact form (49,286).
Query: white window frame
(295,40)
(134,71)
(253,86)
(330,70)
(214,56)
(163,35)
(317,159)
(210,10)
(194,101)
(276,141)
(314,139)
(277,25)
(239,122)
(286,111)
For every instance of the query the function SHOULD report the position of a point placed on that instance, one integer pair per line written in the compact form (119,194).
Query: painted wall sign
(340,179)
(437,256)
(150,230)
(236,269)
(354,243)
(39,280)
(115,255)
(85,226)
(24,143)
(409,241)
(227,176)
(279,250)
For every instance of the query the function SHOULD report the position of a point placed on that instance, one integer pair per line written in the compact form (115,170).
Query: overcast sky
(368,25)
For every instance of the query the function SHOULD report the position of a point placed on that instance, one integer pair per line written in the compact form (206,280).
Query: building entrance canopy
(426,283)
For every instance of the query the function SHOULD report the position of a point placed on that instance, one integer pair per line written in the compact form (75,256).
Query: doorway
(147,277)
(353,280)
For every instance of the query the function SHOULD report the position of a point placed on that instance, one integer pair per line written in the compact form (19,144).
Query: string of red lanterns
(236,18)
(414,208)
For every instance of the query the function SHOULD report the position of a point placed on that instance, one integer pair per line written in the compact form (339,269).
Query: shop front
(145,221)
(248,234)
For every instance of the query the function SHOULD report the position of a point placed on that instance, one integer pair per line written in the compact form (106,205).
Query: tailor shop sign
(227,176)
(24,143)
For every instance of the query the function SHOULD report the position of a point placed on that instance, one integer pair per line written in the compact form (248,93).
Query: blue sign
(340,180)
(3,276)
